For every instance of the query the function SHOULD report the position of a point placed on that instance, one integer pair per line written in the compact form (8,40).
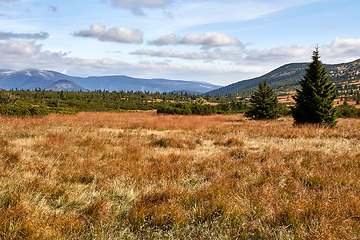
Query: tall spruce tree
(315,98)
(264,103)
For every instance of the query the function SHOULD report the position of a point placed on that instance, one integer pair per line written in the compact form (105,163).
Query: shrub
(187,109)
(348,111)
(23,109)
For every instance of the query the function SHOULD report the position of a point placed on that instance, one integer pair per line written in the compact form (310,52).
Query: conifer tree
(315,98)
(264,103)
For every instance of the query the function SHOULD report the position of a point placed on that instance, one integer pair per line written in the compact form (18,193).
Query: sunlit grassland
(148,176)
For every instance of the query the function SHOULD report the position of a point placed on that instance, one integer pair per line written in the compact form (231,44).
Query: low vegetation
(188,109)
(105,101)
(154,176)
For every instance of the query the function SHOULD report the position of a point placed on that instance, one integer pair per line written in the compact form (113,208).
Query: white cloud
(171,39)
(346,45)
(143,52)
(162,53)
(117,34)
(207,40)
(10,35)
(293,53)
(24,54)
(136,5)
(18,53)
(340,50)
(18,48)
(187,55)
(210,40)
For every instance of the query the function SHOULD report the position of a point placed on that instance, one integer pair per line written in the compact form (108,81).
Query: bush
(187,109)
(348,111)
(23,109)
(63,110)
(6,97)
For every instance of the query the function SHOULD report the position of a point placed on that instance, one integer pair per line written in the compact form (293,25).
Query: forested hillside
(287,77)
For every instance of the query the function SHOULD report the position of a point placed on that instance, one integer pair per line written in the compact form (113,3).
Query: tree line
(314,101)
(42,102)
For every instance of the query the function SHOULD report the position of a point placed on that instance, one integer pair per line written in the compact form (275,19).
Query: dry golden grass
(148,176)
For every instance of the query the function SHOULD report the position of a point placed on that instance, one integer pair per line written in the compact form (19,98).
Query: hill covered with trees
(287,78)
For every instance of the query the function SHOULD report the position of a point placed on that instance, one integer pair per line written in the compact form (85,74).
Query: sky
(220,42)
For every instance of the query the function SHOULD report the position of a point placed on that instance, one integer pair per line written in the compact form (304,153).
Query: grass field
(148,176)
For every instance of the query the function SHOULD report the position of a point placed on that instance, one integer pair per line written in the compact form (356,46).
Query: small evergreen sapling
(315,98)
(264,103)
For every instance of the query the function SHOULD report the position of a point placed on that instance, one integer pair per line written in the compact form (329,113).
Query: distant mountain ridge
(51,80)
(284,77)
(289,75)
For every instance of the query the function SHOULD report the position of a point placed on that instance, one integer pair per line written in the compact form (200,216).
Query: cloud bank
(17,52)
(242,63)
(117,34)
(340,48)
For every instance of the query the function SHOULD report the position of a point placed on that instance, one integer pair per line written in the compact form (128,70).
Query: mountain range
(287,77)
(51,80)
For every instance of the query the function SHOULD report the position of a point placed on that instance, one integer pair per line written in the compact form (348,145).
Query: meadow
(142,175)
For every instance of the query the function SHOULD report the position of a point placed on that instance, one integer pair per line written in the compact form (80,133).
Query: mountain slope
(29,79)
(65,85)
(125,83)
(289,75)
(33,78)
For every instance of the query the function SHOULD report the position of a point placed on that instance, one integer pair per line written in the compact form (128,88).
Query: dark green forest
(40,102)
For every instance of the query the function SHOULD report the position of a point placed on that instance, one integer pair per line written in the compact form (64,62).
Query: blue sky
(220,42)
